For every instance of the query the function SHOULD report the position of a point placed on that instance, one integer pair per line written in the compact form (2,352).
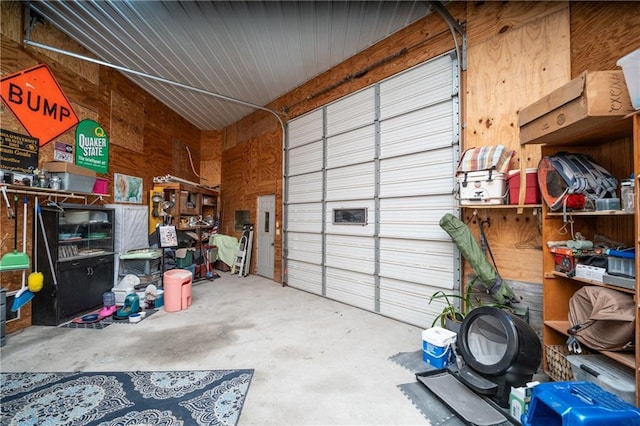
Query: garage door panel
(304,217)
(350,287)
(305,188)
(408,302)
(352,147)
(351,112)
(418,174)
(351,182)
(305,247)
(426,84)
(392,150)
(415,217)
(428,128)
(305,129)
(305,276)
(350,253)
(421,261)
(306,158)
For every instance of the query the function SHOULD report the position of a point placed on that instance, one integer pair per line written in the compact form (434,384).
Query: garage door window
(350,216)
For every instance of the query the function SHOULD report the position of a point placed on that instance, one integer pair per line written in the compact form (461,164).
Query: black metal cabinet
(80,240)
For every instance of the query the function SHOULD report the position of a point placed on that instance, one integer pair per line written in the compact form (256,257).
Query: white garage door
(368,178)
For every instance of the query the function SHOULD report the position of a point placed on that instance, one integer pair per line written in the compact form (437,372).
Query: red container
(532,195)
(101,185)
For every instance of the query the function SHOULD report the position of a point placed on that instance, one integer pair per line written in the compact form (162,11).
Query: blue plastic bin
(577,404)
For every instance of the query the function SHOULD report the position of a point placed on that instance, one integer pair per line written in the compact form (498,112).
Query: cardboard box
(519,400)
(63,167)
(586,103)
(516,402)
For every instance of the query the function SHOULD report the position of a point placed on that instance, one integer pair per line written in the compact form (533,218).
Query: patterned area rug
(166,398)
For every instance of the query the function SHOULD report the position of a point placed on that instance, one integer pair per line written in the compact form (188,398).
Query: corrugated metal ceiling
(254,51)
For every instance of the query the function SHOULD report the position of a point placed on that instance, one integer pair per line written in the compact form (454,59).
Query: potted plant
(452,315)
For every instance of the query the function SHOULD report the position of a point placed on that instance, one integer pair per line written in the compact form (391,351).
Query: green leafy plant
(451,311)
(469,300)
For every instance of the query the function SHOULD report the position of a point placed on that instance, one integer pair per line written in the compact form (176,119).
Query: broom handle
(35,235)
(46,246)
(24,238)
(24,225)
(15,225)
(10,213)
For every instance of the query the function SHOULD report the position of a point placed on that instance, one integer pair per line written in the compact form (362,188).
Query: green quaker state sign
(92,146)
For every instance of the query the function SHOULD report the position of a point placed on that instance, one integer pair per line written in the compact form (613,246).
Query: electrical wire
(193,169)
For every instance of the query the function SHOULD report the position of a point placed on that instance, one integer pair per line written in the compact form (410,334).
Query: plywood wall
(601,33)
(517,52)
(146,138)
(211,158)
(507,70)
(252,169)
(252,156)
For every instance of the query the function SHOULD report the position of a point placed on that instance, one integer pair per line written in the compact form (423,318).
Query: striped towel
(495,157)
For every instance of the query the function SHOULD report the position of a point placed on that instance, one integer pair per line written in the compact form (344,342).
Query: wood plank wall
(517,53)
(528,42)
(211,158)
(601,33)
(258,138)
(146,138)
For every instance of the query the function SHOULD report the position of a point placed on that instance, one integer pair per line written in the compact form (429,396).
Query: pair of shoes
(107,311)
(131,306)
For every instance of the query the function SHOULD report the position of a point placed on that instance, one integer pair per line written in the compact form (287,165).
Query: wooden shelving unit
(616,146)
(190,201)
(54,195)
(195,209)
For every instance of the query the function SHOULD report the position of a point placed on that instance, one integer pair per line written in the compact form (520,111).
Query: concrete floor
(316,361)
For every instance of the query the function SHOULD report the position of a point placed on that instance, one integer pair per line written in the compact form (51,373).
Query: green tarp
(470,250)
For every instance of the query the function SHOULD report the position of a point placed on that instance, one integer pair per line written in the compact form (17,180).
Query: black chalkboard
(18,153)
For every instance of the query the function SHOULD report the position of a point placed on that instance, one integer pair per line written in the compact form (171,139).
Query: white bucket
(437,346)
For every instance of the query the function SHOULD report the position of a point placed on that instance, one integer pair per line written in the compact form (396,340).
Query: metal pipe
(153,77)
(176,83)
(461,56)
(439,7)
(453,25)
